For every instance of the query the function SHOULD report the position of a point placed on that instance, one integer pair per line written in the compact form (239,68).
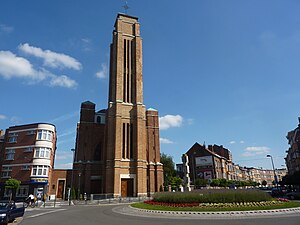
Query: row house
(27,154)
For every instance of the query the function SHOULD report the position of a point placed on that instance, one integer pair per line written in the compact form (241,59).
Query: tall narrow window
(128,72)
(132,71)
(123,142)
(131,141)
(127,141)
(127,147)
(124,72)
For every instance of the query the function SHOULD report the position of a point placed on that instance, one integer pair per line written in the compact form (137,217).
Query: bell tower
(126,161)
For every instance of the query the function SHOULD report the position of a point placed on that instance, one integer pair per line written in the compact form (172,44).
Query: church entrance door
(127,187)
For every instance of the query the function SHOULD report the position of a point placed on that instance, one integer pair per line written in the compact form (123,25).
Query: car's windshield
(3,205)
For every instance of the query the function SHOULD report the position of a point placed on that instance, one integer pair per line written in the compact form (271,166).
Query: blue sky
(219,72)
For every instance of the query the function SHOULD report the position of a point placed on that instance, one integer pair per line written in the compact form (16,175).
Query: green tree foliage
(12,185)
(169,172)
(201,182)
(264,183)
(215,183)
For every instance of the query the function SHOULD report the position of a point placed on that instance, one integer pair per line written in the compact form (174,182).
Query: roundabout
(131,211)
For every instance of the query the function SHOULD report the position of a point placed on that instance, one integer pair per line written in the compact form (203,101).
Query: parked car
(277,192)
(9,211)
(293,195)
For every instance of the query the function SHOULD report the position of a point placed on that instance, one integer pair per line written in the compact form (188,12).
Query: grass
(280,205)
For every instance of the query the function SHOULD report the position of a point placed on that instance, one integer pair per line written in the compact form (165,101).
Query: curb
(16,221)
(208,215)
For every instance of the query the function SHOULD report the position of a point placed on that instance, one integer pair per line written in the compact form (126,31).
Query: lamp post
(71,186)
(275,177)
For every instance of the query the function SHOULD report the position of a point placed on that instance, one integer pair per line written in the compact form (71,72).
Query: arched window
(99,119)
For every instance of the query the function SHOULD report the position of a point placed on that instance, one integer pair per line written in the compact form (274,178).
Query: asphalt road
(108,215)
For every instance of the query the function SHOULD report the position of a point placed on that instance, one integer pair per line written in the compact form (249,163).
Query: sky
(219,72)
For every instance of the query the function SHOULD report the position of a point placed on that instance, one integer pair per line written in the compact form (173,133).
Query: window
(9,154)
(42,153)
(23,191)
(13,139)
(29,149)
(26,167)
(6,171)
(30,132)
(45,135)
(99,119)
(40,171)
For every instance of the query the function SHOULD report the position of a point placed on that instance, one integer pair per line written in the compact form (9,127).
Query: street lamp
(275,177)
(70,195)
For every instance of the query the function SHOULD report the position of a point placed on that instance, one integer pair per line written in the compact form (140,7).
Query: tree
(264,183)
(201,182)
(215,183)
(223,182)
(168,168)
(175,182)
(12,185)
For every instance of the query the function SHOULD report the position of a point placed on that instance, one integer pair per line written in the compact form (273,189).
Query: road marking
(44,213)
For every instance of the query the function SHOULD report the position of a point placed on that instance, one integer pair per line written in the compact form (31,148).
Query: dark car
(293,195)
(10,210)
(277,192)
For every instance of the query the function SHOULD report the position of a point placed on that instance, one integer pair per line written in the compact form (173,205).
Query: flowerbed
(217,205)
(151,202)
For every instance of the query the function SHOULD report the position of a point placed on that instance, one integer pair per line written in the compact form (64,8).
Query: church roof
(151,109)
(102,111)
(88,103)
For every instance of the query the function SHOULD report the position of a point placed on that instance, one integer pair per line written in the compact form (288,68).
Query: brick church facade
(117,149)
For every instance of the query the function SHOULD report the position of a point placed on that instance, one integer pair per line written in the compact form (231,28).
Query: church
(117,150)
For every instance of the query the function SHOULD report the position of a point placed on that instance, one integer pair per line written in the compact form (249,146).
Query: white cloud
(15,120)
(252,151)
(6,29)
(62,81)
(2,117)
(65,117)
(14,66)
(51,59)
(102,73)
(242,142)
(169,121)
(64,166)
(68,132)
(232,142)
(86,44)
(165,141)
(63,155)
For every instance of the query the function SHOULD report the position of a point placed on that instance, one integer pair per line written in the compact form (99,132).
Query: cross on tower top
(126,7)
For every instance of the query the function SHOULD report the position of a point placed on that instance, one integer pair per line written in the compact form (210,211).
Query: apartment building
(27,154)
(210,162)
(293,153)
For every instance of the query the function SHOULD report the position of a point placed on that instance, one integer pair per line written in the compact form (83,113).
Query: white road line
(41,214)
